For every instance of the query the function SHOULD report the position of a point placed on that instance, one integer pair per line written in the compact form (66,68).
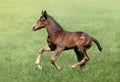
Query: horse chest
(51,43)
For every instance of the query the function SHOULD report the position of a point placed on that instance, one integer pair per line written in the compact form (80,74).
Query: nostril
(34,28)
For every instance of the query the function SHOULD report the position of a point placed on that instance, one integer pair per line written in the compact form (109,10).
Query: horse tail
(97,43)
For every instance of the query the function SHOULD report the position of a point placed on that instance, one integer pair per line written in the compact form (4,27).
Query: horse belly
(69,43)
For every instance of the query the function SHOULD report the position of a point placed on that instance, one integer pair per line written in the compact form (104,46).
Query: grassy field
(19,44)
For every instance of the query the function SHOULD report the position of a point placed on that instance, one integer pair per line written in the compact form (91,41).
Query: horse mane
(56,24)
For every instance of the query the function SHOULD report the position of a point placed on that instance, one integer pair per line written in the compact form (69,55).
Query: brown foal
(59,40)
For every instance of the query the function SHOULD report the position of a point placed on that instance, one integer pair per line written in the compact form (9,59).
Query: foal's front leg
(41,50)
(55,55)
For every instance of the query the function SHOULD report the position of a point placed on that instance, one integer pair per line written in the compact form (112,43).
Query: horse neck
(52,27)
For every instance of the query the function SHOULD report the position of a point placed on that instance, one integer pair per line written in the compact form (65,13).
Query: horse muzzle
(34,29)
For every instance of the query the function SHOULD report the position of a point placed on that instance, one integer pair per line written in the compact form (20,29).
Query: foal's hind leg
(85,57)
(79,56)
(41,50)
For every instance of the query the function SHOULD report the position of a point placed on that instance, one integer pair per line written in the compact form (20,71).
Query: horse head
(41,22)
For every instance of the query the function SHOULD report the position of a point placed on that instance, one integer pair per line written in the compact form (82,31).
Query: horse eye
(42,20)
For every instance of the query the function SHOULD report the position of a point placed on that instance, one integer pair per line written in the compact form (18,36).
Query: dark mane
(55,22)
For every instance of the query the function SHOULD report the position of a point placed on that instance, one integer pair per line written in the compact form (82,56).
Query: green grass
(19,44)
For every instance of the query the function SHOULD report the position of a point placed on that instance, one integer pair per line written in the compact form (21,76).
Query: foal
(59,40)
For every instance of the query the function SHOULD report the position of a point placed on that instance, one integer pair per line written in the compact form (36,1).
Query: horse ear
(45,14)
(42,12)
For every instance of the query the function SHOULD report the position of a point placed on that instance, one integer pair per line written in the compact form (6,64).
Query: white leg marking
(37,60)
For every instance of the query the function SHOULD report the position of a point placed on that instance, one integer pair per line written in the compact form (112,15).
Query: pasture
(19,45)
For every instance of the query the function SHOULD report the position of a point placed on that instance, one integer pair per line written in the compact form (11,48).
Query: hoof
(39,67)
(73,66)
(58,67)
